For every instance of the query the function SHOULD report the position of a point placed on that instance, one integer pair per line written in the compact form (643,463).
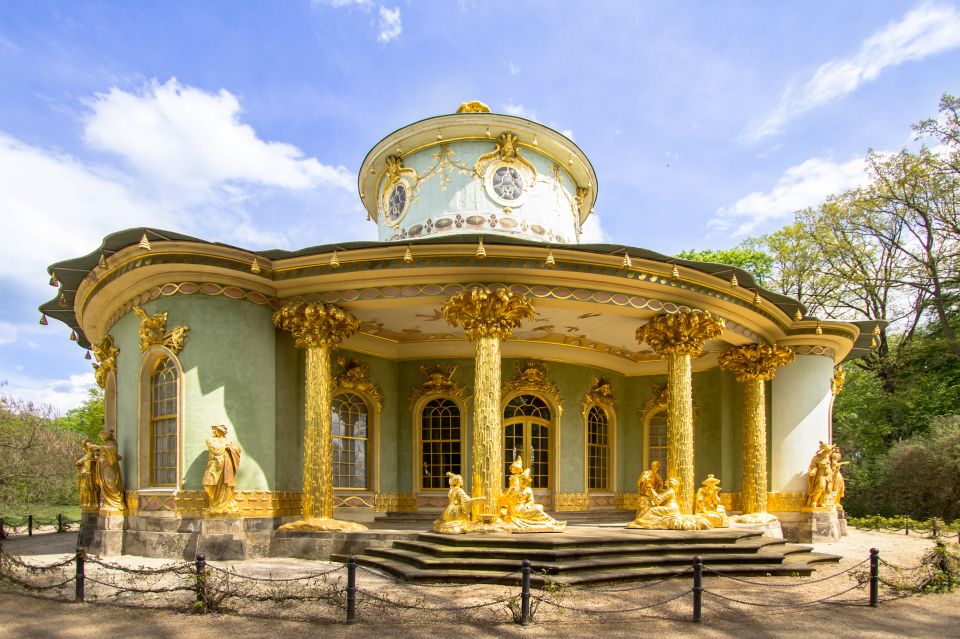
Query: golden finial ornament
(757,299)
(550,261)
(819,330)
(798,316)
(54,281)
(876,329)
(481,252)
(43,319)
(254,265)
(102,262)
(63,300)
(144,242)
(675,272)
(627,262)
(408,256)
(87,356)
(734,281)
(73,335)
(873,342)
(334,260)
(474,106)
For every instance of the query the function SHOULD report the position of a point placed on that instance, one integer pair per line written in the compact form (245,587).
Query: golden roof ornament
(481,252)
(254,266)
(675,272)
(63,300)
(144,242)
(474,106)
(408,256)
(334,260)
(734,281)
(53,280)
(106,353)
(102,262)
(43,319)
(73,335)
(798,315)
(627,262)
(86,355)
(550,261)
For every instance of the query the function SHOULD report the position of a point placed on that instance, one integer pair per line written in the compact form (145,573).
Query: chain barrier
(783,605)
(418,606)
(557,604)
(482,582)
(781,585)
(238,575)
(641,586)
(142,570)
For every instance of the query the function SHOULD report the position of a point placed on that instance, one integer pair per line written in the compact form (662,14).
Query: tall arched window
(655,439)
(598,449)
(440,442)
(350,440)
(163,423)
(526,428)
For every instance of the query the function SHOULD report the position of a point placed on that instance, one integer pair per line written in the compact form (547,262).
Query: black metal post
(3,533)
(59,522)
(80,575)
(202,582)
(30,525)
(525,593)
(351,589)
(697,588)
(906,525)
(874,577)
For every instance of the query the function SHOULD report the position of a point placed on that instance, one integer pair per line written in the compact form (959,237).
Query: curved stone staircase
(589,554)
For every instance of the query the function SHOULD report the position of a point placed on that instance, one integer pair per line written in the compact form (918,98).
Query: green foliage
(750,259)
(87,419)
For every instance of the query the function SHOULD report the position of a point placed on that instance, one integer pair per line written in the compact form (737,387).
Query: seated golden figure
(519,508)
(707,505)
(649,485)
(666,515)
(456,515)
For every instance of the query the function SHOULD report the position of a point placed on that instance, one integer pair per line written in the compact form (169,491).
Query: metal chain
(642,586)
(33,587)
(142,570)
(18,561)
(379,573)
(141,591)
(766,605)
(274,579)
(399,604)
(595,611)
(793,585)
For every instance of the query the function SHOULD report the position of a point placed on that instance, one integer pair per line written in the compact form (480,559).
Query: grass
(42,512)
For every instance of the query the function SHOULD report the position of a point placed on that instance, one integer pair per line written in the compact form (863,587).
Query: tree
(748,258)
(87,419)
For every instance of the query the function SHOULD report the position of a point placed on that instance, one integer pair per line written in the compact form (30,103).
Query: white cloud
(389,24)
(8,333)
(926,30)
(800,186)
(592,231)
(567,132)
(194,141)
(61,394)
(518,110)
(513,68)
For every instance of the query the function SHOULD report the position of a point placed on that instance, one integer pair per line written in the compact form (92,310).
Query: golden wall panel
(567,502)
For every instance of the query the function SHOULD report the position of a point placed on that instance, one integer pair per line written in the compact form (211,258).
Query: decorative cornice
(106,354)
(531,375)
(823,351)
(315,325)
(153,331)
(485,312)
(755,361)
(438,380)
(355,376)
(684,333)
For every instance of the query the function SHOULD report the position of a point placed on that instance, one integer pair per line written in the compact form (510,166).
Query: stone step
(589,538)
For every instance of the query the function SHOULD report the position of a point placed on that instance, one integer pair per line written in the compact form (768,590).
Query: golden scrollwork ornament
(106,353)
(153,331)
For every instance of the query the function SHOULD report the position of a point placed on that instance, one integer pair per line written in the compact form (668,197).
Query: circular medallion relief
(506,184)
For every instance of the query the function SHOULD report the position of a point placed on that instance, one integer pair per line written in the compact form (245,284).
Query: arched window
(163,423)
(598,449)
(526,428)
(350,441)
(655,439)
(440,442)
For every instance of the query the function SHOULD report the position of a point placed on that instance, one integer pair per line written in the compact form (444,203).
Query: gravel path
(919,616)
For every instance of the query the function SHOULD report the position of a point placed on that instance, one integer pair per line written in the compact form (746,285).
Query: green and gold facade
(572,381)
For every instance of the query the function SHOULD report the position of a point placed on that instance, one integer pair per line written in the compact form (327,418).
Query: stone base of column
(811,525)
(322,525)
(770,528)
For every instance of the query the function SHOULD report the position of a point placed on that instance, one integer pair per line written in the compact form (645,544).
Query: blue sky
(245,122)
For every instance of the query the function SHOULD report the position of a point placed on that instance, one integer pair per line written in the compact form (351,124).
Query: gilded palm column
(318,328)
(753,365)
(679,337)
(487,317)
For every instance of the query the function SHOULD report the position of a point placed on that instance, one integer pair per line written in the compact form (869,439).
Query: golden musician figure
(220,476)
(455,517)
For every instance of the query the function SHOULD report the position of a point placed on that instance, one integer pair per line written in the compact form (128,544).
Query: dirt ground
(729,606)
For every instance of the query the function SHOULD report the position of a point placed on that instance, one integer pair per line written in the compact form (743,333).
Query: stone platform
(586,554)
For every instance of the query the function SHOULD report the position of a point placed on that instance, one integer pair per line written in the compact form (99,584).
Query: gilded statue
(820,478)
(649,485)
(707,504)
(519,508)
(220,477)
(456,515)
(153,331)
(106,473)
(665,513)
(87,479)
(838,486)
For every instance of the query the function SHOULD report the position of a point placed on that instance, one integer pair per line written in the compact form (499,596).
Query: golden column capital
(485,312)
(315,324)
(755,361)
(684,333)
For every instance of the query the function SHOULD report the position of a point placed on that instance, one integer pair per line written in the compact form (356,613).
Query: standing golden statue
(220,477)
(519,508)
(457,513)
(86,478)
(838,485)
(819,479)
(707,504)
(106,473)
